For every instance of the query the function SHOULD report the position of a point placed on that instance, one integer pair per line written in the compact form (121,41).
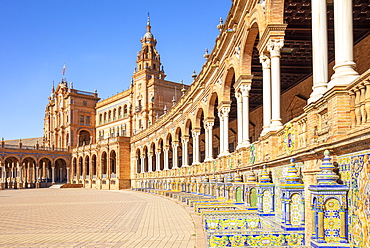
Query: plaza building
(275,127)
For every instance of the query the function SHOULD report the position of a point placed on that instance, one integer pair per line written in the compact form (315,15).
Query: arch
(160,149)
(178,151)
(113,162)
(87,166)
(100,119)
(84,138)
(138,161)
(105,117)
(253,198)
(110,115)
(74,166)
(45,170)
(114,114)
(247,54)
(80,168)
(120,112)
(60,170)
(239,194)
(125,110)
(93,165)
(170,150)
(103,165)
(152,152)
(228,84)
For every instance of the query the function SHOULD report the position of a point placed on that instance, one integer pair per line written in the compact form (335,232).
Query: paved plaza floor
(93,218)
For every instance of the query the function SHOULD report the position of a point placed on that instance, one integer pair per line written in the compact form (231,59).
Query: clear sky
(98,40)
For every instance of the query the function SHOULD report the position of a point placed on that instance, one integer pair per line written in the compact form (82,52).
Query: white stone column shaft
(196,147)
(343,41)
(185,154)
(53,174)
(245,116)
(221,133)
(150,163)
(274,47)
(319,49)
(174,156)
(239,106)
(266,84)
(224,130)
(165,150)
(158,161)
(142,161)
(67,174)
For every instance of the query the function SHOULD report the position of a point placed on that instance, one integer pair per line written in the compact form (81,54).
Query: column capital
(265,61)
(185,139)
(223,111)
(244,89)
(242,79)
(274,47)
(209,122)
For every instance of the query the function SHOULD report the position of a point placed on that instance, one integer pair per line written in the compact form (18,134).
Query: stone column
(196,133)
(142,163)
(224,110)
(274,47)
(208,126)
(221,133)
(165,150)
(185,154)
(150,162)
(53,174)
(244,89)
(319,49)
(175,145)
(266,84)
(239,106)
(344,72)
(158,160)
(67,174)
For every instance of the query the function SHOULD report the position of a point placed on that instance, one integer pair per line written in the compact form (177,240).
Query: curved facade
(276,121)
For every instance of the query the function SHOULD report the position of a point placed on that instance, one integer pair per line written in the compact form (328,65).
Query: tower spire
(148,27)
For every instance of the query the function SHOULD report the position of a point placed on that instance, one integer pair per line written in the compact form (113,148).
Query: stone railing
(359,91)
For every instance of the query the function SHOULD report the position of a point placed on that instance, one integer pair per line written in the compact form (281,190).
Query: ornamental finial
(327,174)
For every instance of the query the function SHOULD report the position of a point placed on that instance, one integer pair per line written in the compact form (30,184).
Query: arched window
(109,115)
(114,114)
(125,111)
(120,112)
(84,138)
(100,119)
(105,117)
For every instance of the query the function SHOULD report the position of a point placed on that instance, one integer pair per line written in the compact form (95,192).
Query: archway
(60,170)
(103,164)
(84,138)
(113,162)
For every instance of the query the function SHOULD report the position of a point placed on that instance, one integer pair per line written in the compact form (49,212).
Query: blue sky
(98,40)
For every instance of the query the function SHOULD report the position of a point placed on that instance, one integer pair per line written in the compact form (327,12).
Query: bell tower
(147,79)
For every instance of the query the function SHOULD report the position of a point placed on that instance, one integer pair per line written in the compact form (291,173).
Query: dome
(148,35)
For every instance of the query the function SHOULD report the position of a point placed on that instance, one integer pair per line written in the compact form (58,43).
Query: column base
(276,125)
(344,74)
(208,159)
(223,154)
(265,130)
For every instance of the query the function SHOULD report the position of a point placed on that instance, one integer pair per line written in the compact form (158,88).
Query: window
(87,120)
(82,119)
(100,118)
(114,114)
(84,103)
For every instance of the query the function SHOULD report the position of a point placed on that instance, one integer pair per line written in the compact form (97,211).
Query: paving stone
(92,218)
